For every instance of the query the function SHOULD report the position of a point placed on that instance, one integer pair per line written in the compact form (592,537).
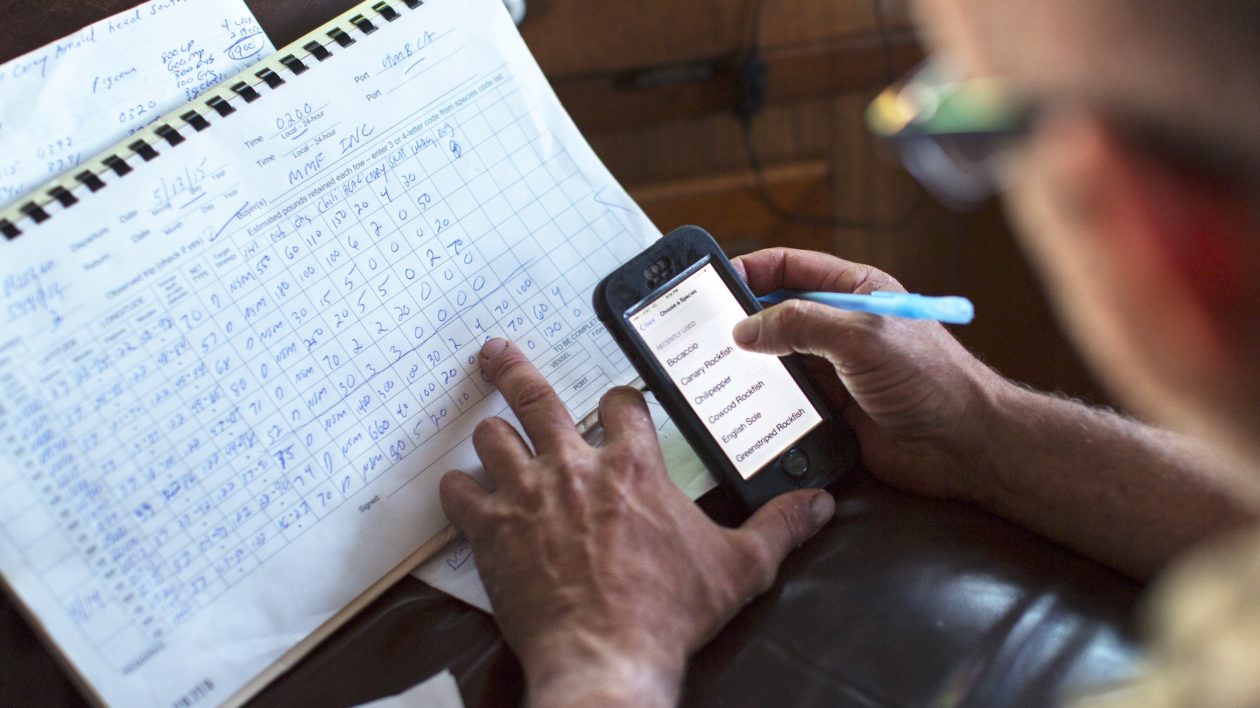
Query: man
(1136,193)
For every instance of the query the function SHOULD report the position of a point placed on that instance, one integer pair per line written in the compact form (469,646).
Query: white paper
(686,470)
(63,103)
(439,691)
(231,379)
(454,570)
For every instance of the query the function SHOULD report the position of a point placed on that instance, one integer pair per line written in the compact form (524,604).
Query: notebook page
(64,102)
(231,379)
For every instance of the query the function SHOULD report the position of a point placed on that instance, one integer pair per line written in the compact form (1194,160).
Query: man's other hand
(916,398)
(603,576)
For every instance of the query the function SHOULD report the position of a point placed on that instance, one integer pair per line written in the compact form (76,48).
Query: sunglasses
(951,132)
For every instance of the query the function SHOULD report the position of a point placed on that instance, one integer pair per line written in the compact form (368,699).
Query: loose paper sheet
(65,102)
(454,570)
(230,380)
(439,691)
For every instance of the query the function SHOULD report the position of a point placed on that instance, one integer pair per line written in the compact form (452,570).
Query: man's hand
(916,398)
(603,576)
(933,420)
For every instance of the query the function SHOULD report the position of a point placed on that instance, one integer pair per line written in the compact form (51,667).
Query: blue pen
(952,309)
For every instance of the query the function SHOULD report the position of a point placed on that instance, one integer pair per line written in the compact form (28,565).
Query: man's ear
(1185,244)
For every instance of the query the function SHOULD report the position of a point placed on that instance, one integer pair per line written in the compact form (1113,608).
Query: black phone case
(832,447)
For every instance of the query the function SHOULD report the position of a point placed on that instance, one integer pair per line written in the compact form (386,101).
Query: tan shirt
(1204,617)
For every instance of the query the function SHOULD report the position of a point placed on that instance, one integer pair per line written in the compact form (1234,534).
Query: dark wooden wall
(653,83)
(676,144)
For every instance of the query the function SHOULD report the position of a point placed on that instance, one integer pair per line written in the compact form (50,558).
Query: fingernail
(492,347)
(747,330)
(822,506)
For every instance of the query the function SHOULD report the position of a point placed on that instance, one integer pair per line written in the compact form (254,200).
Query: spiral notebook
(238,350)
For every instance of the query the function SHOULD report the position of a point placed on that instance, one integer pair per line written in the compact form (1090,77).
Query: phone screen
(748,402)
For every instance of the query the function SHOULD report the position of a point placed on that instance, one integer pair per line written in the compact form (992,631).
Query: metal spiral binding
(215,104)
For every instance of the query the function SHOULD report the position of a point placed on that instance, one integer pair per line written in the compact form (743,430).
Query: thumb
(784,523)
(799,326)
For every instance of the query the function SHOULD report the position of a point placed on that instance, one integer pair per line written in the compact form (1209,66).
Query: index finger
(532,399)
(792,269)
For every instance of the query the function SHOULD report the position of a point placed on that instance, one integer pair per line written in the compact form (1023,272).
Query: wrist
(586,669)
(1005,410)
(996,405)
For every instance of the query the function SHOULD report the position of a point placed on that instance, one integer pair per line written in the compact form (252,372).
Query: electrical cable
(885,42)
(752,79)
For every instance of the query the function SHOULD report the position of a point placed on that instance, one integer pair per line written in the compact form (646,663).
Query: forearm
(1126,494)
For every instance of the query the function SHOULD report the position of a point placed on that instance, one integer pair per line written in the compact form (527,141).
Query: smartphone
(756,420)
